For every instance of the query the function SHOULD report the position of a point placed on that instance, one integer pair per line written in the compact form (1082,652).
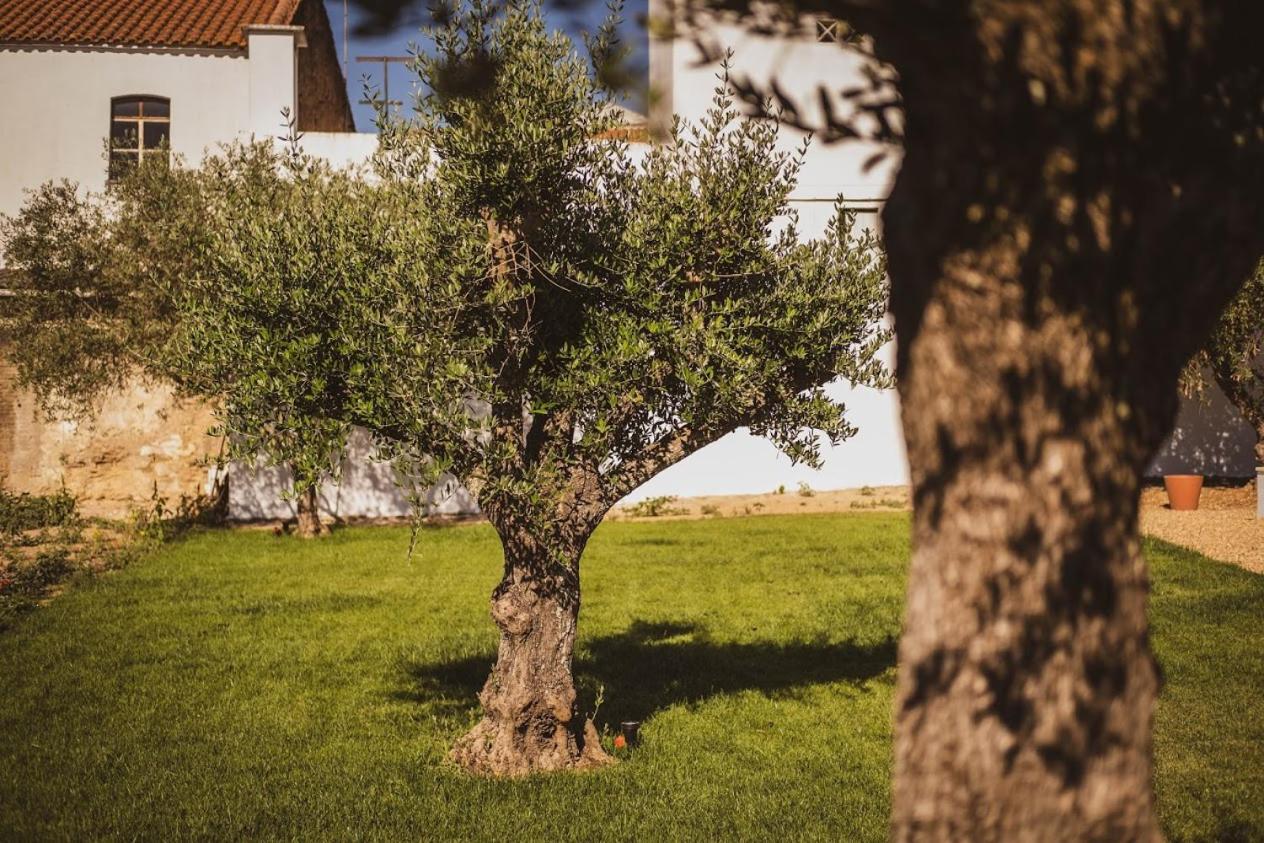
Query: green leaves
(90,276)
(1234,354)
(615,313)
(504,295)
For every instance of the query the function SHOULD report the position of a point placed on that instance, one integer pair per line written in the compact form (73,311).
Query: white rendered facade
(57,102)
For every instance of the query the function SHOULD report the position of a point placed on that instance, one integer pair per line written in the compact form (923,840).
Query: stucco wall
(56,101)
(340,149)
(57,109)
(799,66)
(741,462)
(1210,438)
(365,489)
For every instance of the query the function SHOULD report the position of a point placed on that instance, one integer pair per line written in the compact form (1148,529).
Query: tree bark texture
(307,506)
(1080,196)
(531,721)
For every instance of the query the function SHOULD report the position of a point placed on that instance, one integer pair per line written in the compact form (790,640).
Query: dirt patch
(1224,526)
(787,501)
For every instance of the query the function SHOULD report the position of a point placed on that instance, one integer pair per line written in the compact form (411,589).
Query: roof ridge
(142,23)
(290,8)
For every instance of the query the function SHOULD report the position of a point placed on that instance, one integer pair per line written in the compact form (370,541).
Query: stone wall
(142,439)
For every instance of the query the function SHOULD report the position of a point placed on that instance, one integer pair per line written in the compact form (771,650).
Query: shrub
(655,507)
(24,511)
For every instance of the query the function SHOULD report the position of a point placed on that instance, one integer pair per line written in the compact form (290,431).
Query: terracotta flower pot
(1183,490)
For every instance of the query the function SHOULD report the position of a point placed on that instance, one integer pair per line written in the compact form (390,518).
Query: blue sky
(574,21)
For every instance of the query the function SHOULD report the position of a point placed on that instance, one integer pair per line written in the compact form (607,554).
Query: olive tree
(1079,200)
(97,283)
(549,318)
(1234,357)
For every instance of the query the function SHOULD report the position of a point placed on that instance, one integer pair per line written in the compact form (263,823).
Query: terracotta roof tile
(143,23)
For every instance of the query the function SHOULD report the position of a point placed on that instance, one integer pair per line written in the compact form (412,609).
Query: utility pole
(345,67)
(386,62)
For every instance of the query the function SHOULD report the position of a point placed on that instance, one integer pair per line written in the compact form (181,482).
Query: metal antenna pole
(386,62)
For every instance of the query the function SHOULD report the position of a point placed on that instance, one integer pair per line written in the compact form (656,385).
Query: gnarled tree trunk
(1079,198)
(531,721)
(307,506)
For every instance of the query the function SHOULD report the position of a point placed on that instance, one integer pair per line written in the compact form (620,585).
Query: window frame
(135,154)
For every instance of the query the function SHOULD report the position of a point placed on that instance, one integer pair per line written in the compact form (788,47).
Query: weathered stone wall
(143,438)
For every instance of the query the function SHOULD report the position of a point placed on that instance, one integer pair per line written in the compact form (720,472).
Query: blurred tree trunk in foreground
(1080,196)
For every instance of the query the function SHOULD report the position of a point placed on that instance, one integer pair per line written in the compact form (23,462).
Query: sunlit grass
(242,685)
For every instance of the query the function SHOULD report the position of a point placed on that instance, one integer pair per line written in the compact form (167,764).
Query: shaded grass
(241,685)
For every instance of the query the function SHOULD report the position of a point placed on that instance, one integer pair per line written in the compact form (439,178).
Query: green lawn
(242,685)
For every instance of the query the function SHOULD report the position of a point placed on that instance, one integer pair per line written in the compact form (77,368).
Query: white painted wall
(272,77)
(56,106)
(366,489)
(340,149)
(1210,437)
(741,462)
(799,66)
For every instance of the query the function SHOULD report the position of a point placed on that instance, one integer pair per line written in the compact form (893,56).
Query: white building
(189,72)
(1210,438)
(194,73)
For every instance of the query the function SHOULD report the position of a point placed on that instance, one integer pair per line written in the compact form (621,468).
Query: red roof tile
(147,23)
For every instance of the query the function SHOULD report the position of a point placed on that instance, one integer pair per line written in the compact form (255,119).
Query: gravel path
(1223,527)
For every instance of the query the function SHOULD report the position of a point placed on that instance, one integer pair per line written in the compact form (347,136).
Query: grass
(240,685)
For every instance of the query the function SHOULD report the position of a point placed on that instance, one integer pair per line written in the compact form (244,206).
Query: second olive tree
(527,304)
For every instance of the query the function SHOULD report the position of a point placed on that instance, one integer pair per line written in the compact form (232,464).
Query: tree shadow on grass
(651,666)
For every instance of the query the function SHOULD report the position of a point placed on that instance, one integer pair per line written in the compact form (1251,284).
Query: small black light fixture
(630,729)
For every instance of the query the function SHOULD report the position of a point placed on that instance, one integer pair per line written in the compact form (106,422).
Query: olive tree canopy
(525,303)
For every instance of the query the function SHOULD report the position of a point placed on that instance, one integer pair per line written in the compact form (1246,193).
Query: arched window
(140,127)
